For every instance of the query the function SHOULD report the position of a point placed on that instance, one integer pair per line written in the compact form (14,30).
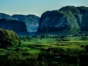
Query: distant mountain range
(67,20)
(21,24)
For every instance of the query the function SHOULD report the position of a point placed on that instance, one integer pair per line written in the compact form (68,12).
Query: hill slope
(67,20)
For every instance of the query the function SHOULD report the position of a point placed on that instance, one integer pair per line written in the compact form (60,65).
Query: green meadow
(47,51)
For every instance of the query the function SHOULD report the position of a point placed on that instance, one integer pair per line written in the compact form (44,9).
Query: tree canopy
(8,38)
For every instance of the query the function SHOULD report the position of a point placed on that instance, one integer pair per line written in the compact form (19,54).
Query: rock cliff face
(17,26)
(84,18)
(52,21)
(5,16)
(31,22)
(67,20)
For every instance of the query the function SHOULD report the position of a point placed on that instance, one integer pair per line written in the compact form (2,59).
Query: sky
(37,7)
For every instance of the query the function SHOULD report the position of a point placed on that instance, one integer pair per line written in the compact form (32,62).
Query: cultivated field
(47,51)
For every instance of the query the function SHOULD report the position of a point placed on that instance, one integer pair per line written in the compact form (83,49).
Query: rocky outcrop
(52,21)
(67,20)
(17,26)
(31,21)
(84,19)
(5,16)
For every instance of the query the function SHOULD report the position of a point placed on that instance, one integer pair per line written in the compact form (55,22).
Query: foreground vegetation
(43,50)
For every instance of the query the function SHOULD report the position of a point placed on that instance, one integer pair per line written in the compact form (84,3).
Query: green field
(73,43)
(69,51)
(53,46)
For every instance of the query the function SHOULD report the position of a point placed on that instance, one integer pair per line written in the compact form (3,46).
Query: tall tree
(8,38)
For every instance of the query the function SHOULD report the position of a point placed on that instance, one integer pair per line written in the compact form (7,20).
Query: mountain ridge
(27,20)
(66,20)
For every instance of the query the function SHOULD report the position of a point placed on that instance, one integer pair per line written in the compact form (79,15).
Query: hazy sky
(36,7)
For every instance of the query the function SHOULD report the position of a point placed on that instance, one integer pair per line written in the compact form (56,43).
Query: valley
(42,51)
(57,38)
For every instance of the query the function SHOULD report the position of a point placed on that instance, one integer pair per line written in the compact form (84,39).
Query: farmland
(47,51)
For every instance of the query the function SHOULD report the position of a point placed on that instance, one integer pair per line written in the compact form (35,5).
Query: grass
(29,51)
(38,40)
(45,43)
(33,47)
